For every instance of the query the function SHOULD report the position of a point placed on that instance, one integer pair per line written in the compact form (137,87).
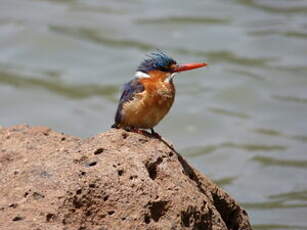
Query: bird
(148,97)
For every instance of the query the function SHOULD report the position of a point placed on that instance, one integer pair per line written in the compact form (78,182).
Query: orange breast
(149,107)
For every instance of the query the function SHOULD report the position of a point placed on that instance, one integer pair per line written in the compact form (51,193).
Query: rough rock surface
(115,180)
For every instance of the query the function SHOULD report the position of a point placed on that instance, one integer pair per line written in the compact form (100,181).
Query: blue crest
(157,60)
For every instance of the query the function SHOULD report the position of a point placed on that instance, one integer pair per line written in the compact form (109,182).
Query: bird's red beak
(190,66)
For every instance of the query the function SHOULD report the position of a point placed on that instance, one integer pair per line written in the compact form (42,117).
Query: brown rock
(115,180)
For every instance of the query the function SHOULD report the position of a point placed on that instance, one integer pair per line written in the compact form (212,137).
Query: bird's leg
(153,133)
(114,126)
(129,129)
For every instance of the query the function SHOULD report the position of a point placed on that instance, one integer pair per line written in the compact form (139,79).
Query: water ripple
(291,196)
(227,56)
(270,161)
(294,34)
(184,20)
(271,205)
(229,113)
(290,99)
(225,181)
(213,56)
(268,6)
(245,74)
(276,226)
(96,9)
(96,37)
(202,150)
(58,87)
(271,132)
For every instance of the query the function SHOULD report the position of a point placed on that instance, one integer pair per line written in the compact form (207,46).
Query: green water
(242,121)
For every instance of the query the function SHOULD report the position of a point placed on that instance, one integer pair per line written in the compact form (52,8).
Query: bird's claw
(135,130)
(143,132)
(154,134)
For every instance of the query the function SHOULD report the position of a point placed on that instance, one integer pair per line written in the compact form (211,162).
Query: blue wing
(130,89)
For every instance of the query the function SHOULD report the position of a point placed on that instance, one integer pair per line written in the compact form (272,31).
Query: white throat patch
(140,74)
(170,77)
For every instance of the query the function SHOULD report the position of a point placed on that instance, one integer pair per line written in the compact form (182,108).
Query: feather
(130,89)
(157,60)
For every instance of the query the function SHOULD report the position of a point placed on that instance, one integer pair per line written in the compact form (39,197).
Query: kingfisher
(148,97)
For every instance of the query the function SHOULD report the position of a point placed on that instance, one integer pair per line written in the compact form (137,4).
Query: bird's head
(160,66)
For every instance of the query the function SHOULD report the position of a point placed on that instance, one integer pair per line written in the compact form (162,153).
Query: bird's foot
(140,131)
(135,130)
(154,134)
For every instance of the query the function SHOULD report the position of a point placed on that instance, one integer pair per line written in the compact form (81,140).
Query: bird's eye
(165,68)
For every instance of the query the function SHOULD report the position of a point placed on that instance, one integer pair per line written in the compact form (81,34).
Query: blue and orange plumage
(146,99)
